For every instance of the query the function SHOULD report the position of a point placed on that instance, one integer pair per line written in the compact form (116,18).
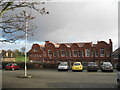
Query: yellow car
(77,66)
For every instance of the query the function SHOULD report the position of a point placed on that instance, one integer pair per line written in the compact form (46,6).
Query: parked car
(63,66)
(77,66)
(106,66)
(92,66)
(12,66)
(118,78)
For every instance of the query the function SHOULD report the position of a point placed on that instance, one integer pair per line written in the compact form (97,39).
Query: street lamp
(26,29)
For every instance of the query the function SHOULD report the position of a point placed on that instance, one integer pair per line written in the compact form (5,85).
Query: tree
(3,53)
(14,26)
(16,53)
(22,50)
(12,5)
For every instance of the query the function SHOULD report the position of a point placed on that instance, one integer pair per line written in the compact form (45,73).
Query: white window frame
(62,53)
(49,53)
(102,52)
(75,53)
(87,52)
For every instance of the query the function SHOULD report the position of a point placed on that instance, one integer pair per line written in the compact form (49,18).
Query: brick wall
(52,52)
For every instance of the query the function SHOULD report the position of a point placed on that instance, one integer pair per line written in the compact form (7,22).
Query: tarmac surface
(59,79)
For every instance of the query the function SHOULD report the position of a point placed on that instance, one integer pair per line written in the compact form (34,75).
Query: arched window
(50,53)
(102,52)
(62,53)
(75,53)
(87,52)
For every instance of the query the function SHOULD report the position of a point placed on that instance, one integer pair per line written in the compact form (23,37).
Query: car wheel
(111,70)
(102,70)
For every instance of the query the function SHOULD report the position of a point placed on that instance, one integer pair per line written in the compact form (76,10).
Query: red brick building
(84,52)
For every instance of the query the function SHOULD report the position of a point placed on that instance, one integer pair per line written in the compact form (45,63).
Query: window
(15,64)
(63,53)
(67,53)
(96,53)
(79,53)
(75,53)
(50,53)
(87,52)
(35,50)
(102,52)
(9,64)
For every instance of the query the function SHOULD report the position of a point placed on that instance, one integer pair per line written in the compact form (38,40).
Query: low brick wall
(8,59)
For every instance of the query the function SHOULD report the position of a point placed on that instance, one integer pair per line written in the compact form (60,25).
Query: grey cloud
(78,21)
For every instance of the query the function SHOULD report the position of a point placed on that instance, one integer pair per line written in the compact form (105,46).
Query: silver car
(63,66)
(106,66)
(118,79)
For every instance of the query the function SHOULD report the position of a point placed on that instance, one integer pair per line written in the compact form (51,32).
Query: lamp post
(26,29)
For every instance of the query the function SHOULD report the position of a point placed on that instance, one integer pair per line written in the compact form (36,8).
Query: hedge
(32,65)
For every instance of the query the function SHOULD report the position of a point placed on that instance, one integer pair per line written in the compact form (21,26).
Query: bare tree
(13,26)
(12,5)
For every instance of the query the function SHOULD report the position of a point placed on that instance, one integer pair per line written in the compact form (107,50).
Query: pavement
(59,79)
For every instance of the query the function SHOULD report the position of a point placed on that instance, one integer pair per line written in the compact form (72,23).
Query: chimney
(46,42)
(110,43)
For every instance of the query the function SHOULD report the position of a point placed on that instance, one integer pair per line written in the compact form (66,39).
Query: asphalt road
(61,79)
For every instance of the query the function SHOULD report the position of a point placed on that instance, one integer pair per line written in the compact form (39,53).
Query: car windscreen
(107,64)
(76,64)
(9,64)
(91,64)
(15,64)
(63,64)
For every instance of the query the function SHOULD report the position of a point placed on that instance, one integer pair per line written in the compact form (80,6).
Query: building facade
(115,57)
(83,52)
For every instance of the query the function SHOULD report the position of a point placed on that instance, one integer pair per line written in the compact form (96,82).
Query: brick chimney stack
(110,43)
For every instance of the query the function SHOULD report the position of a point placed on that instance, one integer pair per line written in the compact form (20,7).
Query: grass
(21,59)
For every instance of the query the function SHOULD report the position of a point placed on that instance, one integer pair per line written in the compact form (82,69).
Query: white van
(63,66)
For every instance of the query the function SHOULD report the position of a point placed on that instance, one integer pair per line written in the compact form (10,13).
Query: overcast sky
(88,21)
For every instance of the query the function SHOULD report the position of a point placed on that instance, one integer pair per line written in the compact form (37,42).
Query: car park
(106,66)
(118,78)
(63,66)
(77,66)
(92,66)
(12,66)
